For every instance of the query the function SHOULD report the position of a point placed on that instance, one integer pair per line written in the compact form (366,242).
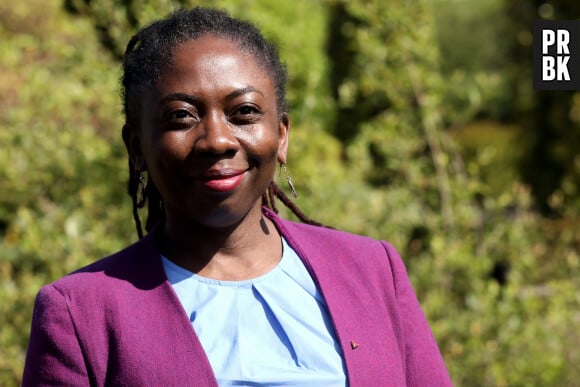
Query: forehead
(210,59)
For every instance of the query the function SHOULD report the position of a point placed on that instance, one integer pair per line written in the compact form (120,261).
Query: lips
(222,180)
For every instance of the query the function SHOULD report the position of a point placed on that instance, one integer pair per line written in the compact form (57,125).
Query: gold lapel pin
(353,344)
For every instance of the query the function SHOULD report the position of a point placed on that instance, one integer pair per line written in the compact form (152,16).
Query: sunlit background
(413,121)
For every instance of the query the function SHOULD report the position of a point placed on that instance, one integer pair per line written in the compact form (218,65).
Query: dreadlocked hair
(269,200)
(150,196)
(151,49)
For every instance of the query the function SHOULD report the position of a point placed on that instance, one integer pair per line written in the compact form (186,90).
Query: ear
(133,144)
(283,132)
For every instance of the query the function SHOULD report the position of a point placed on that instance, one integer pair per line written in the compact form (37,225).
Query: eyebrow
(242,91)
(193,100)
(180,97)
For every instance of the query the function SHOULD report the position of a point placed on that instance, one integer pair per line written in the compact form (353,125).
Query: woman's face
(210,134)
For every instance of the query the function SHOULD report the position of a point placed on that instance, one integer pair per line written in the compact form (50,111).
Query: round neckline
(186,274)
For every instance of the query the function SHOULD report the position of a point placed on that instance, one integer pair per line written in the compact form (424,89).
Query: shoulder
(120,289)
(309,232)
(133,266)
(332,251)
(333,240)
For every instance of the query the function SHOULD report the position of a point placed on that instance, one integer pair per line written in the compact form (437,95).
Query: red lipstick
(222,180)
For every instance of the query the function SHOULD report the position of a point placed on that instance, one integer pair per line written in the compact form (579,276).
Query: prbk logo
(557,55)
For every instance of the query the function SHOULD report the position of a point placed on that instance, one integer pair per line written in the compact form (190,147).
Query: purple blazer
(119,322)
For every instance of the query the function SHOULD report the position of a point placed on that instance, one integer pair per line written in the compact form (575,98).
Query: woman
(221,290)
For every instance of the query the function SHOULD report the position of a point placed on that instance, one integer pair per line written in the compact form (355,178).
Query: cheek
(167,149)
(263,143)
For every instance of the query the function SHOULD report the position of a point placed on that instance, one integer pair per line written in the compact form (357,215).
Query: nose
(216,136)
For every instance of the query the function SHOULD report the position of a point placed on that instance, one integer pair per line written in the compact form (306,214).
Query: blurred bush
(407,126)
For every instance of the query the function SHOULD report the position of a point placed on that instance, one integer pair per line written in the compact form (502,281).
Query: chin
(221,217)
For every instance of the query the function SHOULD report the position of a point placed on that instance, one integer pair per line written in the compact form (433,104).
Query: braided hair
(151,49)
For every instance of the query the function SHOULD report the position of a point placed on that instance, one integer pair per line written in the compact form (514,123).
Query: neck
(244,250)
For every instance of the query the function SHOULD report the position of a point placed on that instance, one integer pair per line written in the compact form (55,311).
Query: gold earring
(288,179)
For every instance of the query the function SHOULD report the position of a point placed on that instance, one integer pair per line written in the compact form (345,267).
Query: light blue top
(273,330)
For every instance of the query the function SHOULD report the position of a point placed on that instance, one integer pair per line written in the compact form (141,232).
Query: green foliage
(476,62)
(62,177)
(380,93)
(550,118)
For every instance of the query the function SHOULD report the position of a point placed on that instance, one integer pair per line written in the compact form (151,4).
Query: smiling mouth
(224,180)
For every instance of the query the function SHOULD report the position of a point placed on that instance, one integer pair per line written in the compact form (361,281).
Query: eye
(177,115)
(246,114)
(180,118)
(246,110)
